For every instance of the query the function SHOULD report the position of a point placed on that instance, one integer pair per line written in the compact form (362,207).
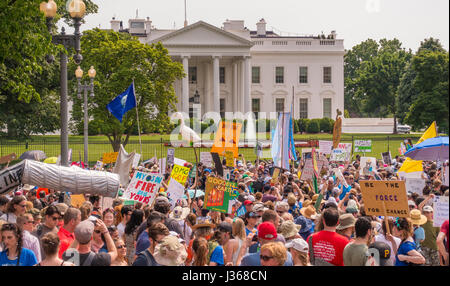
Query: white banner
(415,185)
(175,192)
(144,187)
(365,164)
(11,177)
(363,146)
(325,146)
(440,208)
(342,153)
(137,158)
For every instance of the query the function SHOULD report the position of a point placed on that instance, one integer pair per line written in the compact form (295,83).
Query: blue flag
(122,103)
(283,147)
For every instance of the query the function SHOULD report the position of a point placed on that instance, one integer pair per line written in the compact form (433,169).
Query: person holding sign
(407,254)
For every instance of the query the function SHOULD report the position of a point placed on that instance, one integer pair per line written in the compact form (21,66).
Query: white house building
(233,69)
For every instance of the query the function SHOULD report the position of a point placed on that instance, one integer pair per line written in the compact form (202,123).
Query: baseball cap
(385,252)
(83,231)
(161,200)
(428,209)
(298,244)
(250,215)
(267,231)
(225,227)
(248,202)
(258,207)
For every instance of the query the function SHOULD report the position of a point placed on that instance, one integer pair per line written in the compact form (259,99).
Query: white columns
(207,95)
(242,86)
(185,86)
(247,98)
(235,88)
(216,85)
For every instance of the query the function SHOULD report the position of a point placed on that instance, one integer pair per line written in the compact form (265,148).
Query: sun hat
(83,231)
(289,228)
(62,208)
(170,252)
(307,203)
(315,197)
(352,207)
(346,221)
(267,231)
(309,212)
(203,222)
(179,213)
(27,187)
(298,244)
(417,218)
(258,207)
(305,224)
(282,206)
(291,199)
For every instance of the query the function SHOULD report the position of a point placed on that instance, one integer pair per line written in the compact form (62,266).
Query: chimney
(115,24)
(148,26)
(333,34)
(261,27)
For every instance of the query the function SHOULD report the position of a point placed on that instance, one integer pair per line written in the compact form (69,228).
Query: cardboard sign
(367,164)
(363,145)
(175,192)
(219,193)
(385,198)
(415,185)
(440,210)
(180,174)
(110,157)
(308,171)
(144,187)
(217,164)
(8,158)
(229,159)
(227,138)
(11,177)
(387,159)
(206,159)
(325,147)
(276,174)
(170,156)
(342,153)
(77,200)
(136,159)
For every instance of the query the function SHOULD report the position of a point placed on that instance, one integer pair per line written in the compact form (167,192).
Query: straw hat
(307,203)
(315,197)
(203,222)
(309,212)
(170,252)
(289,228)
(417,218)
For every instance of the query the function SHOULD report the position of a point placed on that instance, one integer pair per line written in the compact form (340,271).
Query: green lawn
(152,145)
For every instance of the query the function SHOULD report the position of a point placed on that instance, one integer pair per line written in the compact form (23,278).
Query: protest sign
(325,147)
(98,166)
(110,157)
(308,171)
(8,158)
(179,162)
(137,158)
(339,175)
(385,198)
(77,200)
(11,177)
(415,185)
(170,156)
(144,187)
(193,171)
(206,159)
(367,164)
(446,175)
(276,174)
(363,145)
(180,174)
(258,150)
(217,163)
(219,193)
(440,209)
(227,174)
(175,192)
(306,153)
(342,153)
(162,165)
(229,159)
(408,143)
(241,211)
(227,138)
(387,159)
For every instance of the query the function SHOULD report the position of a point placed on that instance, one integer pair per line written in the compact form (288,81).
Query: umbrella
(432,149)
(51,160)
(191,194)
(36,155)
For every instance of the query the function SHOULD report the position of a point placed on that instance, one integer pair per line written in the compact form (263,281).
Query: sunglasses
(55,218)
(97,231)
(22,205)
(121,246)
(30,221)
(265,258)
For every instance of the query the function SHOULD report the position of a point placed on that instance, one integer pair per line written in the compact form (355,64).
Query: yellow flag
(410,166)
(430,133)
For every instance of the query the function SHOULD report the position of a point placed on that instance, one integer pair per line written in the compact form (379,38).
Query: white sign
(175,192)
(325,146)
(342,152)
(170,156)
(179,162)
(363,145)
(365,165)
(415,185)
(136,159)
(11,177)
(144,187)
(98,166)
(440,208)
(339,175)
(206,159)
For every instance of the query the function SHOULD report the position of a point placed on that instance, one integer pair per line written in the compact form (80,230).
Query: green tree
(379,79)
(353,60)
(119,58)
(432,84)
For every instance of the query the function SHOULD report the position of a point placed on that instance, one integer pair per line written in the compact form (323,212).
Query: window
(222,74)
(256,106)
(327,107)
(303,75)
(326,74)
(222,107)
(279,75)
(303,108)
(279,105)
(138,25)
(256,71)
(192,74)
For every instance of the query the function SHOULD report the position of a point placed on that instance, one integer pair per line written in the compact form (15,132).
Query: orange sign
(227,138)
(110,157)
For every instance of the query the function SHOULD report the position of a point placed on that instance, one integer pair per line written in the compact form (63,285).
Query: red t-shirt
(444,229)
(66,239)
(329,246)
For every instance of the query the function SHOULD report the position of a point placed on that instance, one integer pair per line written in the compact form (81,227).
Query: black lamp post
(77,8)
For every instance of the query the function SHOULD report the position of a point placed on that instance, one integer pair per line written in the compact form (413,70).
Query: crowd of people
(286,222)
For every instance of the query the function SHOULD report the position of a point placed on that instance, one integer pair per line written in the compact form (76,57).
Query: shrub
(313,126)
(302,124)
(326,125)
(295,123)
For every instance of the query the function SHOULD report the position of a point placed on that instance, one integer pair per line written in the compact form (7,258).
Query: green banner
(219,193)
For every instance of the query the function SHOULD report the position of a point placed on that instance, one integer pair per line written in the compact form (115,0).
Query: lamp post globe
(92,72)
(76,9)
(78,73)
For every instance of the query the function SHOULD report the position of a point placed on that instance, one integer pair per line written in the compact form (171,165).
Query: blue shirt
(419,234)
(142,243)
(217,256)
(27,258)
(404,248)
(252,259)
(344,192)
(254,247)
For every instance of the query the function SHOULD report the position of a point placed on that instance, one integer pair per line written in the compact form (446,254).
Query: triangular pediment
(280,92)
(202,34)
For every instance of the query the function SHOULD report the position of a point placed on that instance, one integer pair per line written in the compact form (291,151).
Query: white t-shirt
(9,217)
(121,229)
(382,238)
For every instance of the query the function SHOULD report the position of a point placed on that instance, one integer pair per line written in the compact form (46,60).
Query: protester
(299,250)
(14,254)
(135,221)
(51,247)
(429,244)
(121,259)
(356,252)
(15,208)
(170,252)
(200,248)
(391,241)
(407,253)
(273,254)
(443,248)
(346,226)
(233,247)
(156,233)
(72,218)
(108,217)
(26,223)
(126,212)
(3,204)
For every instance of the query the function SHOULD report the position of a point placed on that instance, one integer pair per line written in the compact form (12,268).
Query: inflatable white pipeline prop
(70,179)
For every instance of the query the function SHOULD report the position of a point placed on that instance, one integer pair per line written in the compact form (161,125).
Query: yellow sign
(77,200)
(180,174)
(385,198)
(275,175)
(110,157)
(230,158)
(227,138)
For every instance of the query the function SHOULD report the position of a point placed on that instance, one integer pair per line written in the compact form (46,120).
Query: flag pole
(137,116)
